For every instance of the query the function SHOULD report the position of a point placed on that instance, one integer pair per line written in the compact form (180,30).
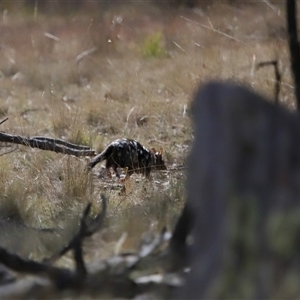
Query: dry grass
(138,83)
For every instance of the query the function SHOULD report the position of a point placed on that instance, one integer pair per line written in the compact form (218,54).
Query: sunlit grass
(138,83)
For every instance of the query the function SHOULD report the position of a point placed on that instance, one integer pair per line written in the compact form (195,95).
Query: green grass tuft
(153,46)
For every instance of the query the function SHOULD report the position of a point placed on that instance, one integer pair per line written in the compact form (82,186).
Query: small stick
(85,53)
(277,76)
(178,46)
(10,151)
(215,30)
(3,121)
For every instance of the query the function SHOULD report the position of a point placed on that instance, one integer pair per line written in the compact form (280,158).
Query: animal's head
(159,162)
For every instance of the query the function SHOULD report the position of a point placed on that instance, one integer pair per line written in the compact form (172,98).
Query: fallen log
(49,144)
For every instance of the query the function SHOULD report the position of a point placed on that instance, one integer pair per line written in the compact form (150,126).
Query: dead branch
(85,230)
(277,76)
(62,277)
(22,265)
(49,144)
(294,46)
(122,276)
(85,53)
(9,151)
(215,30)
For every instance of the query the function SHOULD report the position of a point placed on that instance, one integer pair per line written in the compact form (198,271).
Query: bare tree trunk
(243,192)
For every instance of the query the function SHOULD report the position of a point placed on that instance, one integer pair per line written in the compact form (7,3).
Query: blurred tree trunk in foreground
(243,192)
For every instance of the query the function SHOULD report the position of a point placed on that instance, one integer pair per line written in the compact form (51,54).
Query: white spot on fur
(118,143)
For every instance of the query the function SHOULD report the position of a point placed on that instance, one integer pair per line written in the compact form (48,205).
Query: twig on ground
(179,47)
(3,121)
(215,30)
(9,151)
(85,53)
(157,141)
(51,36)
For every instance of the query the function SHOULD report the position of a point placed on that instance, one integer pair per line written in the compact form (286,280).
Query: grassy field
(96,75)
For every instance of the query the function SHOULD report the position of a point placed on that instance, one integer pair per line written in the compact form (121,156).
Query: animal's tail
(98,158)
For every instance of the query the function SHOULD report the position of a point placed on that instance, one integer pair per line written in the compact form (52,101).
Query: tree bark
(243,190)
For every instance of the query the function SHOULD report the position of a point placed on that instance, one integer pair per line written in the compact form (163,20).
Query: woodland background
(89,72)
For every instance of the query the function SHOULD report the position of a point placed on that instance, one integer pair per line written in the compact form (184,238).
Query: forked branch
(62,277)
(86,229)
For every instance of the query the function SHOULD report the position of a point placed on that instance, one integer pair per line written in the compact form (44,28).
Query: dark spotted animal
(129,154)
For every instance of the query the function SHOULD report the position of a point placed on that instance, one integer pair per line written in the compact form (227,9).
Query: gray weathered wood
(244,194)
(49,144)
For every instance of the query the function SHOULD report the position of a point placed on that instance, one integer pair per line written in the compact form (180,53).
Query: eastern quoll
(130,154)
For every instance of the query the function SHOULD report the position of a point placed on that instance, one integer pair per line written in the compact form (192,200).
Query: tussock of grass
(3,111)
(11,195)
(76,182)
(48,189)
(11,201)
(78,136)
(153,46)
